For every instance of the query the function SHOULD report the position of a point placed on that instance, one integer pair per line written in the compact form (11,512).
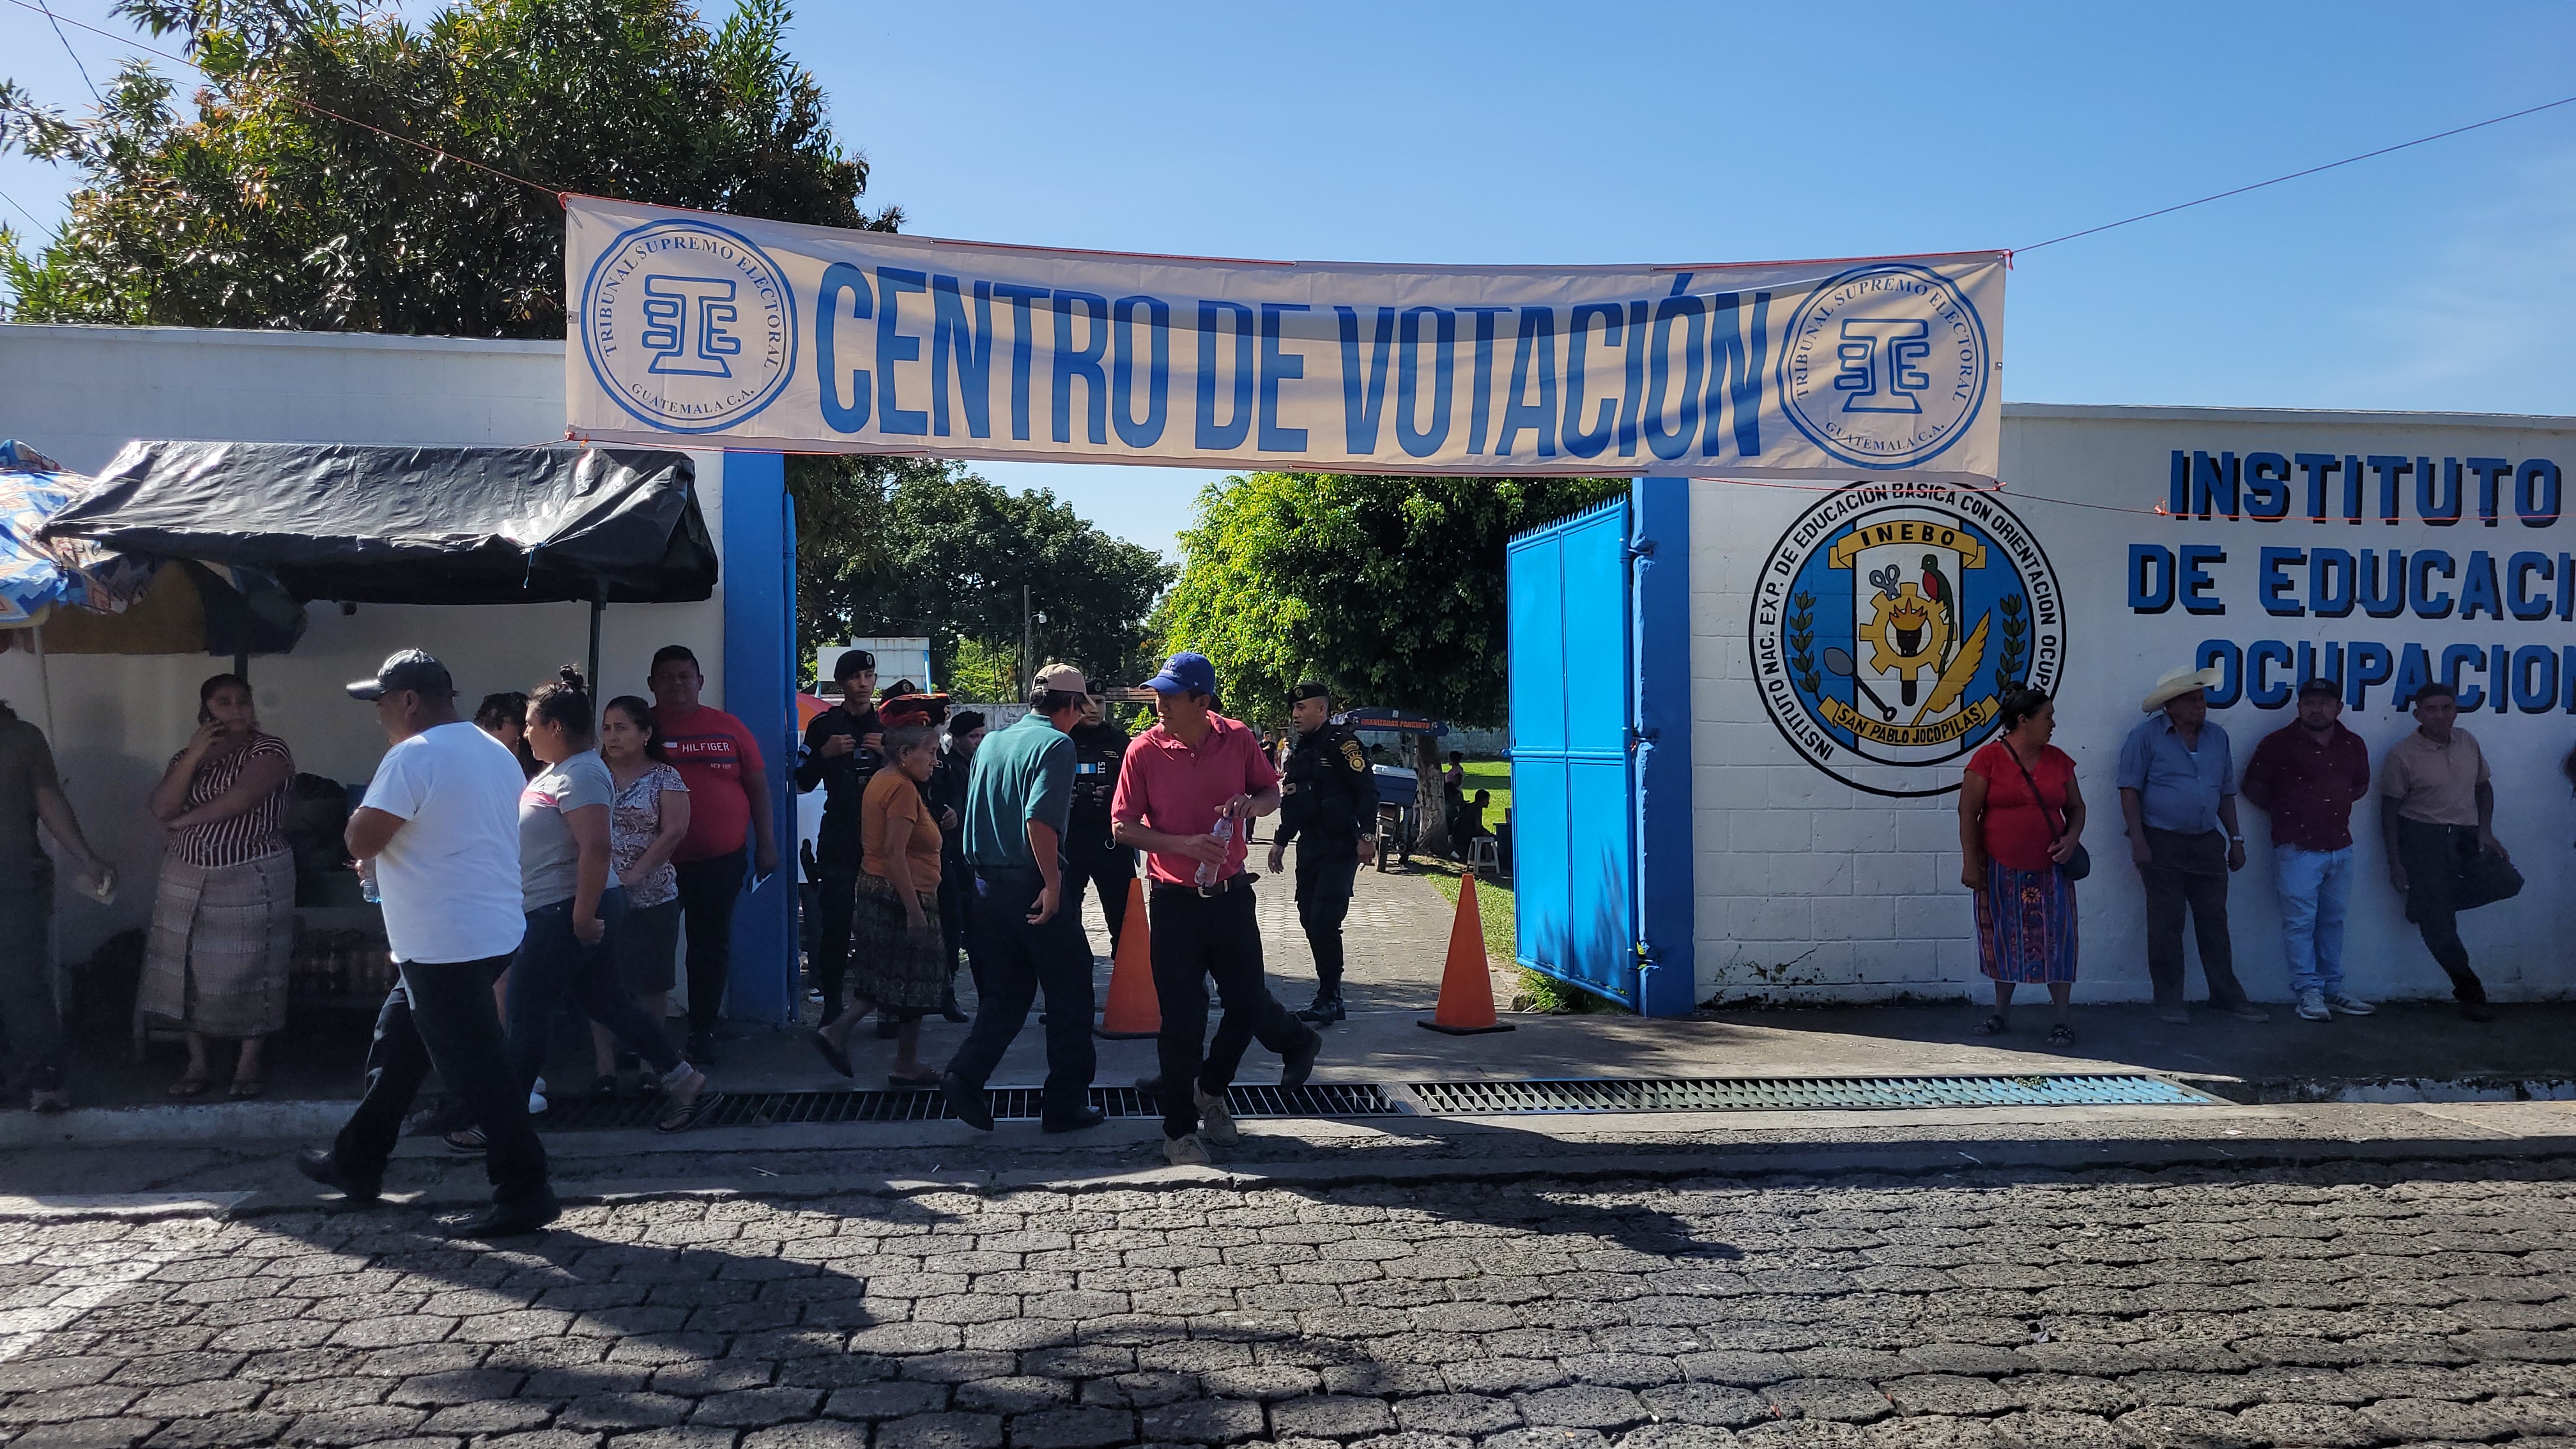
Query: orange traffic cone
(1466,985)
(1133,1010)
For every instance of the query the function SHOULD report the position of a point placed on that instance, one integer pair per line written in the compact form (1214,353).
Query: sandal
(466,1140)
(246,1088)
(1991,1026)
(927,1078)
(685,1116)
(2061,1035)
(191,1086)
(835,1056)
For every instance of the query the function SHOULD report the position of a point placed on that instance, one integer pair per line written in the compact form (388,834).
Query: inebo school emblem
(1889,621)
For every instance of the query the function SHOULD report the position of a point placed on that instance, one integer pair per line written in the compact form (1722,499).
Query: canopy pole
(597,608)
(45,687)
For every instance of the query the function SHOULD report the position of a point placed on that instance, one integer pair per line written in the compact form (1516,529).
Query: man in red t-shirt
(1180,781)
(728,800)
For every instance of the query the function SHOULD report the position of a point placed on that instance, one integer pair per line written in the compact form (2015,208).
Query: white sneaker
(2312,1006)
(1216,1119)
(2350,1005)
(1188,1151)
(536,1103)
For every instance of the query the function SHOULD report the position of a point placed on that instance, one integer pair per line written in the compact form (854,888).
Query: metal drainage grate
(1009,1104)
(1738,1094)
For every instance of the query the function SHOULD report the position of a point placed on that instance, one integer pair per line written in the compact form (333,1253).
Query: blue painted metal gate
(1599,692)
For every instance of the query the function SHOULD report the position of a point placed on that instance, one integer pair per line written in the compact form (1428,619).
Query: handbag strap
(2056,832)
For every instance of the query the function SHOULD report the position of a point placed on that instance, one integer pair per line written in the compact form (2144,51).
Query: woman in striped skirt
(223,927)
(2020,820)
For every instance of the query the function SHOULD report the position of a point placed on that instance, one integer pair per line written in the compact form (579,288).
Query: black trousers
(2189,871)
(1328,869)
(709,890)
(956,915)
(836,892)
(1198,938)
(2435,856)
(439,1014)
(1014,961)
(1108,868)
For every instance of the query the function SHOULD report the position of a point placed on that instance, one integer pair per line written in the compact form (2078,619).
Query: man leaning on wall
(2178,796)
(2437,809)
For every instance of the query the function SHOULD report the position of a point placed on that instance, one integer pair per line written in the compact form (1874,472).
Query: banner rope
(2277,180)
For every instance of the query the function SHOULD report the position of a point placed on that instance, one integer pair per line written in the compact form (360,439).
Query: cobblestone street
(2354,1305)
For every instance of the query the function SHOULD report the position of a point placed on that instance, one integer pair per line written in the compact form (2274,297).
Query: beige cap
(1064,678)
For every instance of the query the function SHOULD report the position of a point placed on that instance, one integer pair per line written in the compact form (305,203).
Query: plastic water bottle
(367,890)
(1224,833)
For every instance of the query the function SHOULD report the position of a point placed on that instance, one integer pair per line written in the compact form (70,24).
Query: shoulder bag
(2076,866)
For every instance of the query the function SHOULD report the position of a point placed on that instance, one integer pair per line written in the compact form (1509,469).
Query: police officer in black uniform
(843,748)
(1089,853)
(1328,797)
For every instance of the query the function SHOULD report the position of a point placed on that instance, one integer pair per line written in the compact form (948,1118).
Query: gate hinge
(1647,735)
(1641,548)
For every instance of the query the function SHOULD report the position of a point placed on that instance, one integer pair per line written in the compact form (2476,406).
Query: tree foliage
(261,212)
(1390,589)
(917,546)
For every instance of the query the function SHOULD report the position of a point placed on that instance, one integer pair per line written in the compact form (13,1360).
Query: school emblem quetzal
(1887,624)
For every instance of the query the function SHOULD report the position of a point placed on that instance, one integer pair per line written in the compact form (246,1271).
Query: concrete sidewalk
(1397,937)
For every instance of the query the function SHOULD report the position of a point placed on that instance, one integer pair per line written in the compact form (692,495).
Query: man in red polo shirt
(2308,774)
(1183,781)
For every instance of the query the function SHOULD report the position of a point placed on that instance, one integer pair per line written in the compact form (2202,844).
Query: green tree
(918,546)
(1390,589)
(262,212)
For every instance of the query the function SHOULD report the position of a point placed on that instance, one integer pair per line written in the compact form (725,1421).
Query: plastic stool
(1482,857)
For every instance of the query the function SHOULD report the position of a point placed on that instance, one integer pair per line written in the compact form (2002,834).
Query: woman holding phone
(223,924)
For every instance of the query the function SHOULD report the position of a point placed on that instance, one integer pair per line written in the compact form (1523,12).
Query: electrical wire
(556,193)
(2295,175)
(48,12)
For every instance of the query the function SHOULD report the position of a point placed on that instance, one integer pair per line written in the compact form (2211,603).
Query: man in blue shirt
(2178,795)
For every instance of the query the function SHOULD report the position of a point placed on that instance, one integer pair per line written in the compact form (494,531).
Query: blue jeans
(2316,885)
(553,962)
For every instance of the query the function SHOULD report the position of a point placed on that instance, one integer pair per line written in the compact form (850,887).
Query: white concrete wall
(1809,888)
(78,394)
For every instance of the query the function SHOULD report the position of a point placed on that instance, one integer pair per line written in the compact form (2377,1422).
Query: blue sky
(2433,279)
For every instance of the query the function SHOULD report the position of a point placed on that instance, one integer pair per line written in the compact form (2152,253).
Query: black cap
(2318,684)
(853,662)
(1311,689)
(412,669)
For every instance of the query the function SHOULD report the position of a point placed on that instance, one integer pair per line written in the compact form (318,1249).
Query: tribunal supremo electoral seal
(1885,366)
(1888,622)
(688,325)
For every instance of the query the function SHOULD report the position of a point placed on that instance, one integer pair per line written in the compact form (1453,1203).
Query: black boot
(1326,1010)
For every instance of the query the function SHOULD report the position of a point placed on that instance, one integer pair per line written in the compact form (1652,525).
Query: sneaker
(2349,1005)
(510,1220)
(2173,1016)
(1188,1151)
(1326,1009)
(2243,1011)
(2312,1006)
(1216,1119)
(322,1167)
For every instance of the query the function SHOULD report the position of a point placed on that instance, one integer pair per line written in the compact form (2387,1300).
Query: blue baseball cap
(1184,672)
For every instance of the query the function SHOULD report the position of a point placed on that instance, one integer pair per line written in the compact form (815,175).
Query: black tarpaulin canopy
(379,525)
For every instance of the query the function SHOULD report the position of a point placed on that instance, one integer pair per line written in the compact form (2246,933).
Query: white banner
(730,332)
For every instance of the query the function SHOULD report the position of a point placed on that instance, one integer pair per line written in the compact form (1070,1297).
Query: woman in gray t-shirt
(571,900)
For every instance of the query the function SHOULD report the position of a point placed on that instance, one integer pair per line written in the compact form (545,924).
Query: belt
(1243,878)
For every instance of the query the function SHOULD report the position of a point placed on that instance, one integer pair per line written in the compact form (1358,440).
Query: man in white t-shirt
(439,833)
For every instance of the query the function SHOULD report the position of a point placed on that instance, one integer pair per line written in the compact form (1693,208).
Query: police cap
(1311,689)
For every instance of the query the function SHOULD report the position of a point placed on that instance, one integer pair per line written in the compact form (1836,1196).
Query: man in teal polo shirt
(1024,941)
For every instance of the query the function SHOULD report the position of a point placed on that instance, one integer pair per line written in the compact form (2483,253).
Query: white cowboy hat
(2178,682)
